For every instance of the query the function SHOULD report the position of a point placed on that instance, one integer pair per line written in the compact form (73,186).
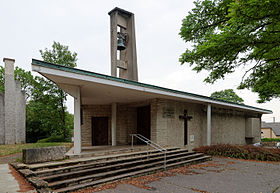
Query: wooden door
(99,130)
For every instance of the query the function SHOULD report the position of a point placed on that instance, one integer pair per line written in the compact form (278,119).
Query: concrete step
(71,162)
(97,176)
(83,166)
(71,175)
(129,175)
(90,152)
(110,167)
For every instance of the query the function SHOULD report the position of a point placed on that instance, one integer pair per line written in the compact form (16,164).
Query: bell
(121,45)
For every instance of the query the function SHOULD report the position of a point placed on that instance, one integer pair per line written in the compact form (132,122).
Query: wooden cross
(186,118)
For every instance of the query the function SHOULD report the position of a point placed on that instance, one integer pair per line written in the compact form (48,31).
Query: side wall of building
(227,126)
(167,128)
(268,133)
(2,120)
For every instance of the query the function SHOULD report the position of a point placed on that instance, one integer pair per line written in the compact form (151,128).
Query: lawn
(17,148)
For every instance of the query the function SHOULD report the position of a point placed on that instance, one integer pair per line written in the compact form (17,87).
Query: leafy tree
(60,54)
(227,34)
(227,95)
(43,118)
(24,77)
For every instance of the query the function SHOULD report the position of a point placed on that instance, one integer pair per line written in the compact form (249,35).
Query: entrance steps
(71,175)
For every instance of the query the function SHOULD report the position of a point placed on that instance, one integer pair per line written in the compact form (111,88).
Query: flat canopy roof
(100,89)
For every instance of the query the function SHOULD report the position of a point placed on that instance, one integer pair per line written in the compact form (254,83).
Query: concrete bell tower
(123,45)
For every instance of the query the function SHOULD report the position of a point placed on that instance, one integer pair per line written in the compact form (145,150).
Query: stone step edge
(111,152)
(176,152)
(73,161)
(39,184)
(130,175)
(141,162)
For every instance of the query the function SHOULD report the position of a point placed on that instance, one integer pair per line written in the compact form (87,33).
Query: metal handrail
(150,143)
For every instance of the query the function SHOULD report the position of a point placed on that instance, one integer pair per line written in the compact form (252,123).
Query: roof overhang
(99,89)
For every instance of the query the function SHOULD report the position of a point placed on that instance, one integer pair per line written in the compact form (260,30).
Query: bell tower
(123,45)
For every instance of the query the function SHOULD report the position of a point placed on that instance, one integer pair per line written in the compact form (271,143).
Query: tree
(60,54)
(43,118)
(227,95)
(227,34)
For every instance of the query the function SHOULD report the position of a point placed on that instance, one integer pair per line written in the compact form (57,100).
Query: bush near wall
(54,138)
(271,139)
(249,152)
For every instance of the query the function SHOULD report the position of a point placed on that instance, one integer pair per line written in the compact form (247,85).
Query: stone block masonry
(2,118)
(20,114)
(12,108)
(10,102)
(43,154)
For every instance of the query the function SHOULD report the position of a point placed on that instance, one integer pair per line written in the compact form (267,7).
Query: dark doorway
(186,128)
(99,127)
(144,122)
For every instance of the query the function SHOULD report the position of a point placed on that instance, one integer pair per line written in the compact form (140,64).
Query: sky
(84,25)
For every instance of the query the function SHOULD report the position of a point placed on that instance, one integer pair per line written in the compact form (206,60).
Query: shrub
(242,152)
(53,138)
(271,139)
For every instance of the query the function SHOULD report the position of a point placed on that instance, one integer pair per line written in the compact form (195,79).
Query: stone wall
(126,122)
(253,130)
(43,154)
(20,114)
(90,111)
(2,118)
(10,104)
(12,108)
(167,129)
(227,126)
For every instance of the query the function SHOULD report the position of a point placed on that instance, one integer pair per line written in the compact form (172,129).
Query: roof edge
(98,75)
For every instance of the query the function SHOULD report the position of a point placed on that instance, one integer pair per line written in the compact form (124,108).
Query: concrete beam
(114,124)
(77,122)
(209,124)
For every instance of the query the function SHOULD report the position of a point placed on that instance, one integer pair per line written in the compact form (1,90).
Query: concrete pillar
(209,124)
(77,122)
(114,124)
(10,102)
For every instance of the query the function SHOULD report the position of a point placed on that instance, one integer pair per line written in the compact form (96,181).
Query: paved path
(222,175)
(7,180)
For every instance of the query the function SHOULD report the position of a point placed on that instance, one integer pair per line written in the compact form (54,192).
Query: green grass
(17,148)
(271,140)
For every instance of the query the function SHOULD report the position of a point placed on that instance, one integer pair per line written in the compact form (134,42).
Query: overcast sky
(30,25)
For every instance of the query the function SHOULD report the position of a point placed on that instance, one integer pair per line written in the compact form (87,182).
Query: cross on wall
(186,118)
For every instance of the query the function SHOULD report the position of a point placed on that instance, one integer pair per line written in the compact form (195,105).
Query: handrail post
(150,143)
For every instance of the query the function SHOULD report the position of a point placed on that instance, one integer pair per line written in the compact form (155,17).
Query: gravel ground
(222,175)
